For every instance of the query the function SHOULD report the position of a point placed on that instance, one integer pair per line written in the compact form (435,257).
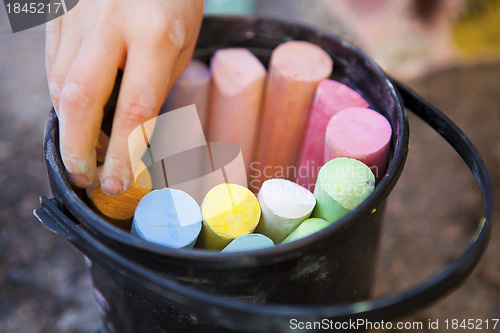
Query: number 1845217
(472,324)
(34,8)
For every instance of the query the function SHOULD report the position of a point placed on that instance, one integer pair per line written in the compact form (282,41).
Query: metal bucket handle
(276,318)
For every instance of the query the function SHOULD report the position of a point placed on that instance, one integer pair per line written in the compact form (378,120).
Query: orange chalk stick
(295,69)
(119,209)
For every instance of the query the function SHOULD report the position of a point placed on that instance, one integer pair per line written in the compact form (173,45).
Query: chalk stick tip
(286,198)
(168,217)
(228,211)
(236,69)
(306,228)
(302,60)
(249,242)
(348,181)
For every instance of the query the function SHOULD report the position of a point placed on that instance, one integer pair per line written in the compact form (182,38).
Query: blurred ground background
(432,212)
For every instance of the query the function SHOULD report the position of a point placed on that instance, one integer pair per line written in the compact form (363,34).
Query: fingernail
(79,180)
(112,186)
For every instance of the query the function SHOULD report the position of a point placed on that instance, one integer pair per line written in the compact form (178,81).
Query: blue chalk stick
(168,217)
(248,242)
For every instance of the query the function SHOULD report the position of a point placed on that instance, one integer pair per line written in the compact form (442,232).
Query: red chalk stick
(359,133)
(331,97)
(296,68)
(238,88)
(192,87)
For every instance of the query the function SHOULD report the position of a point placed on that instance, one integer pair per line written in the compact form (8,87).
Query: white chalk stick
(284,206)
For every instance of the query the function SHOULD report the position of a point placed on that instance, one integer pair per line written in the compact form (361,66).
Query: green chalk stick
(306,228)
(343,183)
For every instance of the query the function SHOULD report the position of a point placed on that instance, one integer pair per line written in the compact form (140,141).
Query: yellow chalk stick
(228,211)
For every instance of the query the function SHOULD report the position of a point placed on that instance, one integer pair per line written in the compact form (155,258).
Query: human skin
(152,41)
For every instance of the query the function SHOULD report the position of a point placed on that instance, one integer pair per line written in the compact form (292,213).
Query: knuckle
(158,21)
(159,28)
(160,24)
(137,112)
(76,95)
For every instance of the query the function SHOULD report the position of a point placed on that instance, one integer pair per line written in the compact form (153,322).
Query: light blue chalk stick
(248,242)
(168,217)
(220,7)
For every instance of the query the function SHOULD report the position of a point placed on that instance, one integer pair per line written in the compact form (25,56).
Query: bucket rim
(67,195)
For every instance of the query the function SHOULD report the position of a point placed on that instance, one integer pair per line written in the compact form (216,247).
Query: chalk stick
(331,97)
(306,228)
(179,157)
(284,205)
(343,183)
(119,209)
(168,217)
(101,147)
(248,242)
(360,133)
(229,211)
(237,91)
(225,7)
(296,68)
(142,176)
(192,87)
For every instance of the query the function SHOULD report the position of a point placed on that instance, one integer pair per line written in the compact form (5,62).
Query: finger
(87,87)
(143,89)
(52,39)
(67,49)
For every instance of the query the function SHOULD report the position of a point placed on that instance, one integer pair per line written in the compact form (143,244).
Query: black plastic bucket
(143,287)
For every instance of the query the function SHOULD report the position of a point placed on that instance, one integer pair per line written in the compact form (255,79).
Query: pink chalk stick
(362,134)
(331,97)
(237,92)
(192,87)
(296,68)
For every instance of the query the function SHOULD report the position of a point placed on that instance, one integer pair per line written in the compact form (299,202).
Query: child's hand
(151,40)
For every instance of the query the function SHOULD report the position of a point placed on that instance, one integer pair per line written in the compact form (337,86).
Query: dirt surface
(431,216)
(435,208)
